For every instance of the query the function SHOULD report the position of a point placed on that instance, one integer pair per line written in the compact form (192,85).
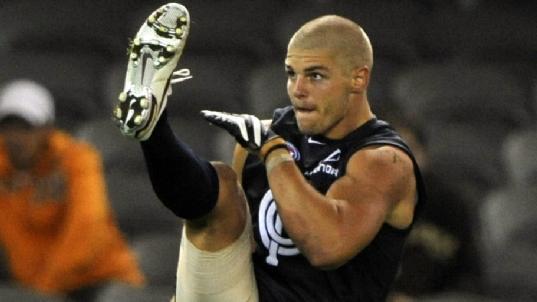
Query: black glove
(247,129)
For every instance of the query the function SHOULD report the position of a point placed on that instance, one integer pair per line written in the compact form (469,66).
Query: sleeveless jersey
(282,273)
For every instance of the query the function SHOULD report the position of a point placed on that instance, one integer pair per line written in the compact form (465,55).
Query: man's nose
(299,87)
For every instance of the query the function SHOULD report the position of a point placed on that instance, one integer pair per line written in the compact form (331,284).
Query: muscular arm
(329,230)
(378,187)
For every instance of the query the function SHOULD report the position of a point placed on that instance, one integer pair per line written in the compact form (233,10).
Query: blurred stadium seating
(12,292)
(465,71)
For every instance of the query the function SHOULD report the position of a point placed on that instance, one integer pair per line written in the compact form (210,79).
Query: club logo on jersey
(325,165)
(271,231)
(294,151)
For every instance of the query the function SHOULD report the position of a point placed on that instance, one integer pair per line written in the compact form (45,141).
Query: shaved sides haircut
(346,39)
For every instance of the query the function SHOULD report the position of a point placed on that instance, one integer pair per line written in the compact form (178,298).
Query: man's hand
(247,129)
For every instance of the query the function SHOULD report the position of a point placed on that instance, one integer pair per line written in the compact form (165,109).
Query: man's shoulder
(384,159)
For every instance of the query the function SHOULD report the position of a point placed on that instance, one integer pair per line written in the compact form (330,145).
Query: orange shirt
(56,224)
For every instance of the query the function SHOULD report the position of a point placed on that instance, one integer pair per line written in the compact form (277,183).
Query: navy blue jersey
(282,273)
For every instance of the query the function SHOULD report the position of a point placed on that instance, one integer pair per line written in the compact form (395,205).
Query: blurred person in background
(57,232)
(440,253)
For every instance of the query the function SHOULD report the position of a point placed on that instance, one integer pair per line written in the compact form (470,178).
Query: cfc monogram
(272,233)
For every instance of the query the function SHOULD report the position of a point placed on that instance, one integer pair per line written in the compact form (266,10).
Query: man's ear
(360,79)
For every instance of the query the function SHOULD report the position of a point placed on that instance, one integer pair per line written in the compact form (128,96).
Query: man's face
(23,143)
(319,90)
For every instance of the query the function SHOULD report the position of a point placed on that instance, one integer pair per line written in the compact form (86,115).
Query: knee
(227,220)
(226,175)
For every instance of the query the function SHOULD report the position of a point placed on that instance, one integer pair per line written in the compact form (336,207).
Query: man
(56,227)
(327,191)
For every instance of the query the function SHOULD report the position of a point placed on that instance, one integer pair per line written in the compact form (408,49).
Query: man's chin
(307,130)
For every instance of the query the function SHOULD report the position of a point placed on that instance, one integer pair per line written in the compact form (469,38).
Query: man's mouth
(304,109)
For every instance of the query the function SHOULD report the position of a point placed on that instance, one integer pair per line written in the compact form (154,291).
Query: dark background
(462,74)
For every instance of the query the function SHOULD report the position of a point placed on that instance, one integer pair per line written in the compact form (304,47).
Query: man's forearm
(310,218)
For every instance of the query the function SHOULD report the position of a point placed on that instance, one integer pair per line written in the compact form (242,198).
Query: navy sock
(185,183)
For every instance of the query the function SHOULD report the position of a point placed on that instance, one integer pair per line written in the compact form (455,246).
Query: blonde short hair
(345,38)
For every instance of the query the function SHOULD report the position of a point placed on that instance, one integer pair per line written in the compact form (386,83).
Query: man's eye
(316,76)
(290,73)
